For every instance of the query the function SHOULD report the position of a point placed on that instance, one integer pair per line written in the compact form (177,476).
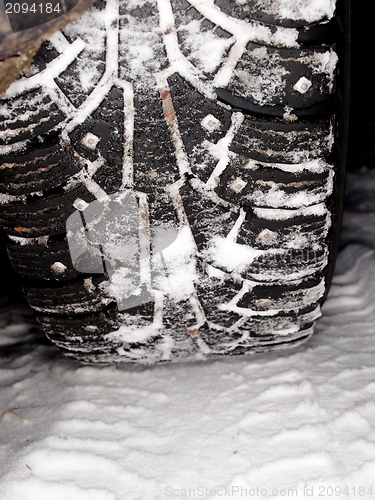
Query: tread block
(82,336)
(42,215)
(191,108)
(82,76)
(99,138)
(34,261)
(259,184)
(293,233)
(207,219)
(203,43)
(213,288)
(81,296)
(46,54)
(288,77)
(155,165)
(283,296)
(267,13)
(279,142)
(48,168)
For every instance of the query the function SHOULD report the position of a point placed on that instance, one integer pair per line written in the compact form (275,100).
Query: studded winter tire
(172,175)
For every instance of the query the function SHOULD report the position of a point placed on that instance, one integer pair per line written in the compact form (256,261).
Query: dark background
(361,146)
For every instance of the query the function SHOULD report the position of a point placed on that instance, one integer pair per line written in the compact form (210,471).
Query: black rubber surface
(236,145)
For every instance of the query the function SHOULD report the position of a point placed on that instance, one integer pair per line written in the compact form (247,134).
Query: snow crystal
(207,49)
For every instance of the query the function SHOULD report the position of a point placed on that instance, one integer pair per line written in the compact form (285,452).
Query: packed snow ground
(298,424)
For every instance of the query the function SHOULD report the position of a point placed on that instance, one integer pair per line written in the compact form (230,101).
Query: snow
(206,49)
(246,30)
(298,9)
(290,424)
(230,255)
(177,258)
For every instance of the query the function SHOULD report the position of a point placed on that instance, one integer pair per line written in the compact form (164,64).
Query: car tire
(225,122)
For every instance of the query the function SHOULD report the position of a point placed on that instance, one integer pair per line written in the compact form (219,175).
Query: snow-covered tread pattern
(220,116)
